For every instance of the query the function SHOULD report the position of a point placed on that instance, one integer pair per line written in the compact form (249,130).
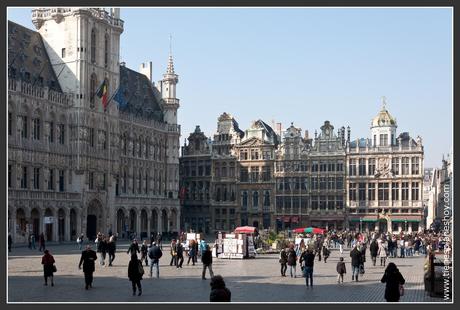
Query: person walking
(173,252)
(88,258)
(292,259)
(394,281)
(159,240)
(355,255)
(133,248)
(191,252)
(144,250)
(48,267)
(41,242)
(206,259)
(155,254)
(326,250)
(341,270)
(308,258)
(318,248)
(374,249)
(402,250)
(219,292)
(383,252)
(180,255)
(362,249)
(10,242)
(283,261)
(135,273)
(80,241)
(111,249)
(100,248)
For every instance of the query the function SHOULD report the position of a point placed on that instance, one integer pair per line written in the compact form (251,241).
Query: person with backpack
(155,254)
(135,273)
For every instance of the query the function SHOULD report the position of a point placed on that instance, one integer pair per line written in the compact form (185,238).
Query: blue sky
(301,65)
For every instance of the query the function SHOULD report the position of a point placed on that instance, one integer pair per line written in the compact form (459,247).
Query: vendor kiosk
(239,244)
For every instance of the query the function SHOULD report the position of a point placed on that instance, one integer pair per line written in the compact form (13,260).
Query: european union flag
(120,98)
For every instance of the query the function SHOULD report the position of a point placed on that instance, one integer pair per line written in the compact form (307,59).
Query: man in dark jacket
(206,258)
(155,254)
(88,258)
(309,258)
(355,255)
(135,272)
(133,248)
(283,262)
(111,249)
(180,255)
(374,248)
(218,290)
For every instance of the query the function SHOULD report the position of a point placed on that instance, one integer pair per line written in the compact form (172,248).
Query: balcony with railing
(42,195)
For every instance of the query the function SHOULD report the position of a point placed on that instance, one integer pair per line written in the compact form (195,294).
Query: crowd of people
(302,255)
(380,245)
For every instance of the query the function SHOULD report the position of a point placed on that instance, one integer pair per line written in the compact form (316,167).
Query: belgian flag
(102,93)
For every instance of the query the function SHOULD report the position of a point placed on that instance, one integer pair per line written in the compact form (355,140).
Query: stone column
(67,225)
(159,219)
(138,224)
(55,225)
(148,225)
(78,224)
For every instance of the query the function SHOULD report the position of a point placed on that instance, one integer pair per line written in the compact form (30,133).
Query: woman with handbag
(48,267)
(135,273)
(394,283)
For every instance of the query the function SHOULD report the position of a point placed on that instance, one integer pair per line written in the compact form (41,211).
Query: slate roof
(143,98)
(27,58)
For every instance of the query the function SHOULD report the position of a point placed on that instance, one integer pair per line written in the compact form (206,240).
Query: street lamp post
(405,226)
(360,224)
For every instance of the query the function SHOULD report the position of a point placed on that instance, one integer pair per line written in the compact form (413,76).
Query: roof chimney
(146,69)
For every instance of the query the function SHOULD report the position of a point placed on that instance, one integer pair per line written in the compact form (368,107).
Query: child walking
(341,270)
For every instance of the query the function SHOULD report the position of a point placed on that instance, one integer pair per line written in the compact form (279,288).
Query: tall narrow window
(51,179)
(371,166)
(352,167)
(36,178)
(63,53)
(395,191)
(244,202)
(36,129)
(267,198)
(61,133)
(362,167)
(255,199)
(104,181)
(61,180)
(383,139)
(362,191)
(415,165)
(117,185)
(92,88)
(352,192)
(91,180)
(93,46)
(24,133)
(51,132)
(24,177)
(405,190)
(91,137)
(383,191)
(371,191)
(405,165)
(106,50)
(415,190)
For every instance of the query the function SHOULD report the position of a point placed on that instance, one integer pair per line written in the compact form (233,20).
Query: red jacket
(47,259)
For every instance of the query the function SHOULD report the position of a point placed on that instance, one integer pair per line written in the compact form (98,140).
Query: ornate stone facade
(76,166)
(385,175)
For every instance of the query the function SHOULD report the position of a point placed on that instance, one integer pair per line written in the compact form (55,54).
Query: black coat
(222,294)
(133,270)
(292,257)
(283,257)
(179,250)
(341,269)
(88,258)
(374,248)
(355,255)
(155,252)
(308,258)
(133,248)
(392,280)
(111,247)
(206,258)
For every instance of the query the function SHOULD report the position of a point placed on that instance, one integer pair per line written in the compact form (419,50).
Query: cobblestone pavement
(250,280)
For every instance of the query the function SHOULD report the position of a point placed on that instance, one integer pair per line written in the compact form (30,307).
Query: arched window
(106,50)
(93,46)
(92,87)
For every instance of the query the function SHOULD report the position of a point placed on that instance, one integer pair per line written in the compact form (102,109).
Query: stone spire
(170,69)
